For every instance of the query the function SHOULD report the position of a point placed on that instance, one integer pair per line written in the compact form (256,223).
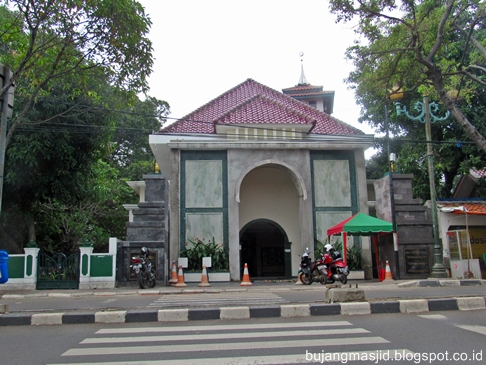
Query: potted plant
(196,250)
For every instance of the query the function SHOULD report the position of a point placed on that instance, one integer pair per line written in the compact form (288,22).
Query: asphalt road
(43,301)
(455,337)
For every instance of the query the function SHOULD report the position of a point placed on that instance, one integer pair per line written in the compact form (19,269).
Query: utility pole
(7,106)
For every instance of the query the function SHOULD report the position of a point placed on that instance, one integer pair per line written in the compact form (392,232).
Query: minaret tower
(310,94)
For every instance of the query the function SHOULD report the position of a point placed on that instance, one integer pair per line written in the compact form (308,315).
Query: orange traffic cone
(180,279)
(388,274)
(173,275)
(246,277)
(204,278)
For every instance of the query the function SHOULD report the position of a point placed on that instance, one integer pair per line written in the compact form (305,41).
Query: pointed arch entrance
(266,247)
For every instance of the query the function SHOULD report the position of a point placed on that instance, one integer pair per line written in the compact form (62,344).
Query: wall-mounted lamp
(392,158)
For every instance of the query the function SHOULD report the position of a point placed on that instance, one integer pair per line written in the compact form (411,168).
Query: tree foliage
(427,47)
(80,130)
(47,40)
(66,179)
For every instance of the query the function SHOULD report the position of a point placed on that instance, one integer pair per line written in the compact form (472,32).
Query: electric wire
(45,127)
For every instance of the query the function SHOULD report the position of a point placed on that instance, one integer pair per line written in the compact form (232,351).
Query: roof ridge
(244,93)
(187,116)
(269,100)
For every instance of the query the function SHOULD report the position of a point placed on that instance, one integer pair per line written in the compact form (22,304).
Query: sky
(203,48)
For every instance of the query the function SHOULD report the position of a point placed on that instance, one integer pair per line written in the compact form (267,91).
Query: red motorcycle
(337,270)
(326,270)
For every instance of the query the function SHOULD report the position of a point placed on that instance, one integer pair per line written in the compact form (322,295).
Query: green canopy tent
(359,225)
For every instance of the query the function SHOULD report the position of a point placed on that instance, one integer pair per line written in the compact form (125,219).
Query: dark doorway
(265,248)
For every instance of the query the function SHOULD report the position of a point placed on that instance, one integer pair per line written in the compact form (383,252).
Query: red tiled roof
(252,102)
(472,207)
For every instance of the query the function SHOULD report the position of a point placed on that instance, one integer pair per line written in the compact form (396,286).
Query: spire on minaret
(302,80)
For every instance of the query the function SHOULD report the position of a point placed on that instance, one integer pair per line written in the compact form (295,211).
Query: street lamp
(391,168)
(427,116)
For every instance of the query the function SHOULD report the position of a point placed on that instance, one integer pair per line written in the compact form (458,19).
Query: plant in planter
(353,253)
(197,249)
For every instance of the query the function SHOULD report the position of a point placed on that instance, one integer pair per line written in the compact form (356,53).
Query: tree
(429,46)
(129,147)
(45,40)
(65,182)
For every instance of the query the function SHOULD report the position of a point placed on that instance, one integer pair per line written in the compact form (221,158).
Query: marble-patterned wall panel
(326,220)
(204,184)
(332,184)
(205,226)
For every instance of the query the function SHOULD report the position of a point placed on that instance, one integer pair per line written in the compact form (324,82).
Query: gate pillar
(84,277)
(30,267)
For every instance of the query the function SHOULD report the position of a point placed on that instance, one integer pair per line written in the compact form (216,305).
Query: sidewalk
(270,285)
(390,296)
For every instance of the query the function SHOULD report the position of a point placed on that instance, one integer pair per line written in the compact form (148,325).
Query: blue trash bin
(4,257)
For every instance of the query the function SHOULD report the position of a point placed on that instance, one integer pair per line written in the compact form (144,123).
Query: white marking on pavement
(214,336)
(223,327)
(222,346)
(109,300)
(433,316)
(477,329)
(265,360)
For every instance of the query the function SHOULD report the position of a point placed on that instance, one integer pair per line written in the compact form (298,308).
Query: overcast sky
(204,48)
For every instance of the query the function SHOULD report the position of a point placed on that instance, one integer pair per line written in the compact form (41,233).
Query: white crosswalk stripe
(217,300)
(231,344)
(334,357)
(478,329)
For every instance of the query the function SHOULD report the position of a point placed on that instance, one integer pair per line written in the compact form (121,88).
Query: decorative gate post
(30,265)
(85,262)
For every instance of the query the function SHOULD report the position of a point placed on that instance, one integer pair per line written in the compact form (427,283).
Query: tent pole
(345,246)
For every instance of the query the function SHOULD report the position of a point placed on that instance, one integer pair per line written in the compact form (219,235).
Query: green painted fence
(16,267)
(101,265)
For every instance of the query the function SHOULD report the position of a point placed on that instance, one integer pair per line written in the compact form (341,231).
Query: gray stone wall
(414,228)
(148,229)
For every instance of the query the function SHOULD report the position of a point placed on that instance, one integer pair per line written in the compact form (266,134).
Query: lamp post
(391,161)
(427,116)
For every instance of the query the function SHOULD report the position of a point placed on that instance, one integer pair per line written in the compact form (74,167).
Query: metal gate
(58,271)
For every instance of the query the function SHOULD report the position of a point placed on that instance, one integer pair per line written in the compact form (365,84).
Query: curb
(243,312)
(441,283)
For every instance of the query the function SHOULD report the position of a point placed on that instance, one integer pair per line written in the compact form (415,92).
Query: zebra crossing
(218,300)
(231,344)
(472,328)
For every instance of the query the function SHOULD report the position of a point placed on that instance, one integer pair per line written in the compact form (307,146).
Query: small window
(313,104)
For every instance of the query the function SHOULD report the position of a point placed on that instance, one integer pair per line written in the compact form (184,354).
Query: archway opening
(264,247)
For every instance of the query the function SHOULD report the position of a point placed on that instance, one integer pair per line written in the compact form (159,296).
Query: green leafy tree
(63,225)
(130,150)
(46,40)
(425,47)
(65,177)
(430,46)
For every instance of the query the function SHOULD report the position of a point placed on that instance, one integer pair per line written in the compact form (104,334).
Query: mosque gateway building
(262,174)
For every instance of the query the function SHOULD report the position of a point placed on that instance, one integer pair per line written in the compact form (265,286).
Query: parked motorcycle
(326,270)
(311,271)
(144,269)
(337,268)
